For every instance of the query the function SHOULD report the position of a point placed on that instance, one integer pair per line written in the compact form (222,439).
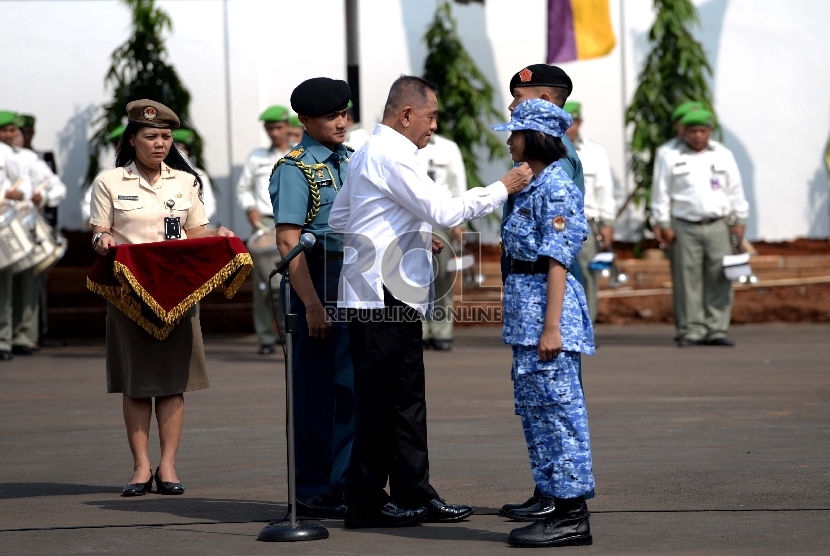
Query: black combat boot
(568,526)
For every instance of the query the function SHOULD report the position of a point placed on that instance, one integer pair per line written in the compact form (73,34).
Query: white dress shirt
(12,172)
(695,186)
(599,185)
(42,178)
(386,210)
(252,187)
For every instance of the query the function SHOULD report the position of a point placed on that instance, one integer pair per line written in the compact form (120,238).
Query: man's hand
(607,233)
(664,235)
(319,325)
(254,217)
(738,231)
(437,245)
(104,243)
(222,231)
(37,198)
(14,195)
(517,179)
(550,344)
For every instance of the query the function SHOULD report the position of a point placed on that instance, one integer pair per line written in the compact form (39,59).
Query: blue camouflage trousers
(551,404)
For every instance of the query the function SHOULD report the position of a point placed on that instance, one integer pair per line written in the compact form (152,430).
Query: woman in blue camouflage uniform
(546,322)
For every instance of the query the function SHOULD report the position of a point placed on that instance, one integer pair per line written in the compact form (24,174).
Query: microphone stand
(293,530)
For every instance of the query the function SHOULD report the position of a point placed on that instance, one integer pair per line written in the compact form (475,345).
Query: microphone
(306,241)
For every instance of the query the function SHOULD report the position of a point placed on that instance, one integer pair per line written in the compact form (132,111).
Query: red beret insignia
(525,75)
(559,223)
(150,113)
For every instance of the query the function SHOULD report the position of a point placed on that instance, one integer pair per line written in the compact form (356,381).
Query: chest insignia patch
(178,195)
(320,173)
(559,223)
(524,211)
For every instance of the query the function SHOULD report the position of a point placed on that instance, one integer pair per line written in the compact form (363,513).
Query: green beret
(275,113)
(294,121)
(185,136)
(701,116)
(116,133)
(7,117)
(25,120)
(684,108)
(574,108)
(150,113)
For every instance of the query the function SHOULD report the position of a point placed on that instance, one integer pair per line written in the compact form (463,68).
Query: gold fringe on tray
(120,297)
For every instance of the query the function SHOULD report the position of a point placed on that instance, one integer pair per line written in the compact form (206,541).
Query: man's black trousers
(390,408)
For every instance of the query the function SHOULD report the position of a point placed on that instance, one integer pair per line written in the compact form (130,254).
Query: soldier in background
(182,140)
(295,129)
(253,197)
(698,204)
(600,209)
(444,164)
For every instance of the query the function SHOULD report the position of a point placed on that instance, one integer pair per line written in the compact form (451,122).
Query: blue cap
(539,115)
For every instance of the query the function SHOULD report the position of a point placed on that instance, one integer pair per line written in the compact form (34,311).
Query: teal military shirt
(306,171)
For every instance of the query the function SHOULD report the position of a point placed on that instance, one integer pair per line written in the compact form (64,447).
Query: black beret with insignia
(542,75)
(152,114)
(320,96)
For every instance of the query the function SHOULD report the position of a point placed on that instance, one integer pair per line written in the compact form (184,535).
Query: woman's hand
(319,325)
(550,344)
(104,243)
(222,231)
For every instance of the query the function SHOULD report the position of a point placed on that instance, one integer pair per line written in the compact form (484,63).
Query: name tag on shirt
(128,197)
(524,211)
(324,183)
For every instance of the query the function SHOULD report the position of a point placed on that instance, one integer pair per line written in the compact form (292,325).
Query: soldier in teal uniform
(552,84)
(546,322)
(302,187)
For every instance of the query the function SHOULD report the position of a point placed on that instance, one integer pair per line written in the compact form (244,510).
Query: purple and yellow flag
(578,30)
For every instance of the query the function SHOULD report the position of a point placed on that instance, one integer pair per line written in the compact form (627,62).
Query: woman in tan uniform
(151,194)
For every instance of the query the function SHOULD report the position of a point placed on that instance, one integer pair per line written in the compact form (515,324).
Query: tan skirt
(140,366)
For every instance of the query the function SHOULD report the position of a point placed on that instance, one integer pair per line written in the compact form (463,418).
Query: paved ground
(698,451)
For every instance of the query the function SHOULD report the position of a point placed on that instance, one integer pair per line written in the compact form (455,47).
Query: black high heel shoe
(138,489)
(167,488)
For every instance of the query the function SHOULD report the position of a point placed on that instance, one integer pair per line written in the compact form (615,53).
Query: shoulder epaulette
(313,190)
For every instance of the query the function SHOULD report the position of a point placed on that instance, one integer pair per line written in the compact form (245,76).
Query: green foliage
(140,70)
(465,96)
(676,70)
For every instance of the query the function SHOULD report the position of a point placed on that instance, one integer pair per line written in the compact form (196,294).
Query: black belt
(702,221)
(518,266)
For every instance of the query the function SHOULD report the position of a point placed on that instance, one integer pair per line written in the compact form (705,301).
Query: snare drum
(15,240)
(45,246)
(263,248)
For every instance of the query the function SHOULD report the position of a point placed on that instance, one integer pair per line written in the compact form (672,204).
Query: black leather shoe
(723,341)
(167,488)
(540,510)
(428,344)
(568,526)
(21,350)
(5,355)
(321,505)
(438,511)
(686,342)
(507,508)
(265,349)
(138,489)
(389,515)
(442,345)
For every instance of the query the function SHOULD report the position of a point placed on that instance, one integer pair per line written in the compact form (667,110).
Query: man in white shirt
(698,204)
(445,166)
(386,210)
(253,197)
(15,185)
(600,209)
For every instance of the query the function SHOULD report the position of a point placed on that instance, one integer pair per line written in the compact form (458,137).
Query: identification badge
(128,197)
(172,227)
(524,211)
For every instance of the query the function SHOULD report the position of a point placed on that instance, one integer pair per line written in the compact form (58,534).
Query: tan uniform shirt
(123,201)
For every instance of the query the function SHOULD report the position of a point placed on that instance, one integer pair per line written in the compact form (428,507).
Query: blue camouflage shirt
(291,191)
(547,220)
